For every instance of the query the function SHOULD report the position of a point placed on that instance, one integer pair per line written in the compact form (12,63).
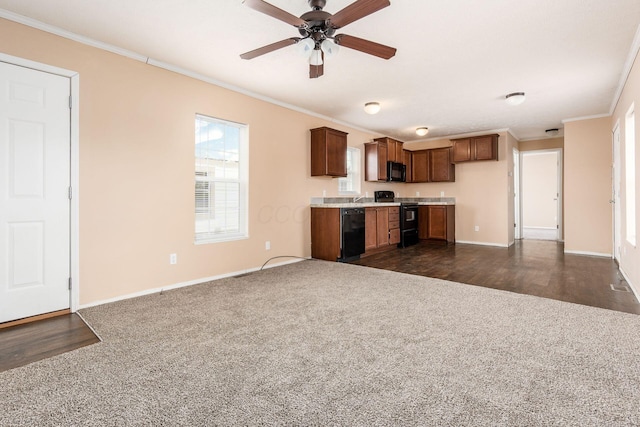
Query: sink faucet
(356,198)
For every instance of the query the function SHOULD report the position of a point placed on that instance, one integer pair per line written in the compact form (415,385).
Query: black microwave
(396,172)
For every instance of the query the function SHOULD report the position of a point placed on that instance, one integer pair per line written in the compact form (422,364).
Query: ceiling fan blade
(274,12)
(316,71)
(356,10)
(366,46)
(269,48)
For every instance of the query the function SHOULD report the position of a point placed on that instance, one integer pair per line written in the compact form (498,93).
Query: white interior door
(34,192)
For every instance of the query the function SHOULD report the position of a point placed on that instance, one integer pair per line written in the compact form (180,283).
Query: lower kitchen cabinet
(325,233)
(437,222)
(382,227)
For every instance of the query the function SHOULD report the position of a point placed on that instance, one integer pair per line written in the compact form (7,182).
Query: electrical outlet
(267,245)
(324,193)
(442,194)
(476,228)
(417,194)
(173,259)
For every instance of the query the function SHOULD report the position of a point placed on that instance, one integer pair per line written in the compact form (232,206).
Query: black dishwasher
(351,233)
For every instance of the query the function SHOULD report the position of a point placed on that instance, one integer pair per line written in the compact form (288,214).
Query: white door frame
(74,79)
(517,188)
(559,209)
(615,193)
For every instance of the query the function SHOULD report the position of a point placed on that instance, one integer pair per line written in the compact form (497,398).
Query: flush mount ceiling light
(372,107)
(515,98)
(422,131)
(552,132)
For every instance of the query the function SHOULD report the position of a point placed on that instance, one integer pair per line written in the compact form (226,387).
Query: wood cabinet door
(399,152)
(462,150)
(382,161)
(485,148)
(423,222)
(407,159)
(382,226)
(325,233)
(420,166)
(336,154)
(370,229)
(394,236)
(437,222)
(440,167)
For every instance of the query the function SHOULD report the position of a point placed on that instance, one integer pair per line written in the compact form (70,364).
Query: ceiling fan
(318,28)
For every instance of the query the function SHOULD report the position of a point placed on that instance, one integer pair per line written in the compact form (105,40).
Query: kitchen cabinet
(408,161)
(394,225)
(328,152)
(420,166)
(432,165)
(382,227)
(325,233)
(476,148)
(394,149)
(437,222)
(441,169)
(375,161)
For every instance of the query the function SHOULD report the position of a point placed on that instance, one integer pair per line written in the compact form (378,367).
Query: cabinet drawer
(393,224)
(394,217)
(394,211)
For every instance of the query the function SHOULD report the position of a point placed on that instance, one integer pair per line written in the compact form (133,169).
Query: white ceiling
(456,59)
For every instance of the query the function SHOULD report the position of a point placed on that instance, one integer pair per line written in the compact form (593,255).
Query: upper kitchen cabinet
(375,161)
(328,152)
(441,169)
(394,149)
(476,148)
(407,159)
(433,165)
(420,166)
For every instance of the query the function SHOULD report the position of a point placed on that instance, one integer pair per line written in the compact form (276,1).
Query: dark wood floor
(533,267)
(30,342)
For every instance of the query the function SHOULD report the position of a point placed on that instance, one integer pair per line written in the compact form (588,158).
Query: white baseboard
(598,254)
(185,284)
(500,245)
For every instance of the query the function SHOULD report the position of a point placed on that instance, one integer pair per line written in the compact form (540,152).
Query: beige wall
(587,186)
(542,144)
(137,162)
(629,255)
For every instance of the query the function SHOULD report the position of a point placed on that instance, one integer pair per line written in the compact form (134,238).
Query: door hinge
(70,193)
(69,283)
(70,102)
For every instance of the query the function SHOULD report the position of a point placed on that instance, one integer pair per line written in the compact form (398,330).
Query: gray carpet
(318,343)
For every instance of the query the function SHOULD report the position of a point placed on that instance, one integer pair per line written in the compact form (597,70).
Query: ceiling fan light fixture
(422,131)
(515,98)
(372,107)
(329,48)
(316,57)
(305,47)
(552,132)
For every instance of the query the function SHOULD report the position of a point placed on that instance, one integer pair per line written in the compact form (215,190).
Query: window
(630,174)
(220,180)
(351,184)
